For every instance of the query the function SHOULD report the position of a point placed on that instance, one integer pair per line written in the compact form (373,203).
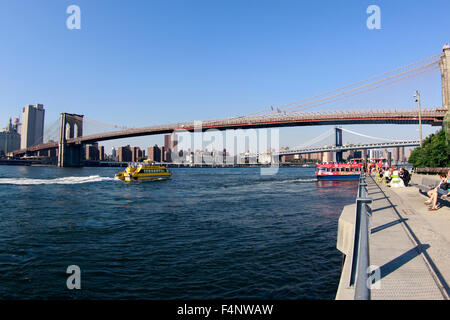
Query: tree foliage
(435,152)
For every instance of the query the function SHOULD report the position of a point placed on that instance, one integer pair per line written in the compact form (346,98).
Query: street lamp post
(417,96)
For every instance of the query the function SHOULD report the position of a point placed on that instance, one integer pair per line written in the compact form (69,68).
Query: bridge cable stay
(363,86)
(50,131)
(52,135)
(345,87)
(405,77)
(53,131)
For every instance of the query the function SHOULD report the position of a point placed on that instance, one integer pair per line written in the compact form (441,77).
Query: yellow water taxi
(146,171)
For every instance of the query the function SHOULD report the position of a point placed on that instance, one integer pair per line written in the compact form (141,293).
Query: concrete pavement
(409,245)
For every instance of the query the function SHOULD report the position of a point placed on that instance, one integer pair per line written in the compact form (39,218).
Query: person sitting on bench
(439,191)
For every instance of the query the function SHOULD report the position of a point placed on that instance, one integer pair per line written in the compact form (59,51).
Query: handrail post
(362,190)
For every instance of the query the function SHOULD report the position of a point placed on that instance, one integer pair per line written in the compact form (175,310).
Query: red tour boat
(339,171)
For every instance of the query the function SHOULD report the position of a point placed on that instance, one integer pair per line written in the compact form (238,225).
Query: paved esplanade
(409,244)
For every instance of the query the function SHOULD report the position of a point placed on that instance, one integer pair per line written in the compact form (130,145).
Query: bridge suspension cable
(361,81)
(95,122)
(320,137)
(387,84)
(331,131)
(368,85)
(370,137)
(369,82)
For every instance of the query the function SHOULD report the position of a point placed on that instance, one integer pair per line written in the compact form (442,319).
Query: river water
(204,234)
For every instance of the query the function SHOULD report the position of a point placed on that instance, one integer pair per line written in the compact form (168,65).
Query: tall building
(32,131)
(124,154)
(386,154)
(101,153)
(9,139)
(402,154)
(91,152)
(166,155)
(136,154)
(396,154)
(327,157)
(113,154)
(154,153)
(408,154)
(375,153)
(17,125)
(170,145)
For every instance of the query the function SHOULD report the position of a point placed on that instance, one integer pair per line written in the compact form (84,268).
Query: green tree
(434,153)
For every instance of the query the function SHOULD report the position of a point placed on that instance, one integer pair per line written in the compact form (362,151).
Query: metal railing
(360,272)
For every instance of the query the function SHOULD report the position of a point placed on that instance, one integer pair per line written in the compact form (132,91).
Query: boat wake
(65,180)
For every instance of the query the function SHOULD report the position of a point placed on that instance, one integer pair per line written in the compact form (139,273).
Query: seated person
(396,181)
(388,175)
(439,191)
(380,174)
(405,176)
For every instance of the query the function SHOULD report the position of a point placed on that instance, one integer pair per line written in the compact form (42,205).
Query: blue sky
(140,63)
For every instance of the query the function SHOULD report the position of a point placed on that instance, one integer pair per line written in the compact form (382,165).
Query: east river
(204,234)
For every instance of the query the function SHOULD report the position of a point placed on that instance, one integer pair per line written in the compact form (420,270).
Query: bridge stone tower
(445,73)
(70,155)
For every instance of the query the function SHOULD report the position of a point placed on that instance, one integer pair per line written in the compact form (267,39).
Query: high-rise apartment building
(396,152)
(101,153)
(401,156)
(154,153)
(136,154)
(91,152)
(32,130)
(124,154)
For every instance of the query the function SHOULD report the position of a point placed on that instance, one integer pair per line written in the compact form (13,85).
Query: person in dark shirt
(405,176)
(439,191)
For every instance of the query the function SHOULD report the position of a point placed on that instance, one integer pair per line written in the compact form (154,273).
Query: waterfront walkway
(409,245)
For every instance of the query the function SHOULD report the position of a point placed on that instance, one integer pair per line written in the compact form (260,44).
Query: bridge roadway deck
(409,244)
(429,116)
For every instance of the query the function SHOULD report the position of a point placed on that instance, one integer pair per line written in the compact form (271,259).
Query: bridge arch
(67,131)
